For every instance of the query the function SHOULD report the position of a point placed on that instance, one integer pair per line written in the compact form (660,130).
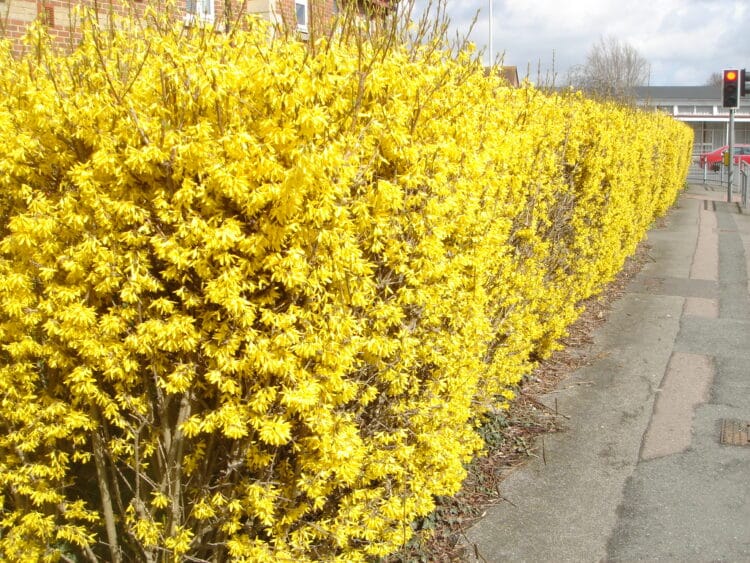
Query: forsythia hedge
(256,294)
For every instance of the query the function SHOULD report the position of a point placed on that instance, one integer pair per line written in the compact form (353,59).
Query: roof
(687,92)
(509,73)
(678,93)
(686,96)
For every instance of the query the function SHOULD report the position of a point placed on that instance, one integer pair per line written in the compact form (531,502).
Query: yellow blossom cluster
(256,294)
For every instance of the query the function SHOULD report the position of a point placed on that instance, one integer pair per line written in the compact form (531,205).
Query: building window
(200,11)
(300,7)
(46,13)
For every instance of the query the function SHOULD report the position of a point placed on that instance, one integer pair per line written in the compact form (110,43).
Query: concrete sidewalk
(641,473)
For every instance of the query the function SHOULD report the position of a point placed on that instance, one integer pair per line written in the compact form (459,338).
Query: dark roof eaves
(678,92)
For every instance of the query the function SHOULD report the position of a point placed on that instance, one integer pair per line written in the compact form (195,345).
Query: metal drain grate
(735,432)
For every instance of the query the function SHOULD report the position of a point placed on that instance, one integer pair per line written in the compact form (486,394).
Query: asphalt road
(641,473)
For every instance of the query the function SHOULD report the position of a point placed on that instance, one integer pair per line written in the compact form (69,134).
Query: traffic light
(730,88)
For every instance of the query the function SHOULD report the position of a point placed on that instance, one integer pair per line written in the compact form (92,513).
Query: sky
(684,41)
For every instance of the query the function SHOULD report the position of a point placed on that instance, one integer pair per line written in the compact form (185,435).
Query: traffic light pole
(732,88)
(730,168)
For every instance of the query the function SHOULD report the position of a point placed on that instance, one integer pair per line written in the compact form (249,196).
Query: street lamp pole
(491,59)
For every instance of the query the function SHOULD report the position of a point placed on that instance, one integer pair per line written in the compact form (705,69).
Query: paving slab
(640,472)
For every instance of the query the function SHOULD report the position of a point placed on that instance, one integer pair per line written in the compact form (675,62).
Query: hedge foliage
(256,295)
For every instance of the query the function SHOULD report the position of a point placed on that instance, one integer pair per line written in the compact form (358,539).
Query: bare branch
(103,481)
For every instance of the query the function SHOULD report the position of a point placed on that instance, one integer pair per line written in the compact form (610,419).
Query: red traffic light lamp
(730,88)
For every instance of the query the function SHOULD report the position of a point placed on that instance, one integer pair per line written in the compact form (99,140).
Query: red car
(714,158)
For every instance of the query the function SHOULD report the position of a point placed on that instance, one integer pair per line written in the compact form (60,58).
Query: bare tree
(612,70)
(715,79)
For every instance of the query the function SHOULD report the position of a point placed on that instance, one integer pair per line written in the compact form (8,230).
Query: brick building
(60,16)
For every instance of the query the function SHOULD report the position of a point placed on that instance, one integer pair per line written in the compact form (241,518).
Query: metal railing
(743,183)
(715,178)
(708,176)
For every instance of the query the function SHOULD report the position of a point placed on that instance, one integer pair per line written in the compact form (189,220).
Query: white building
(700,107)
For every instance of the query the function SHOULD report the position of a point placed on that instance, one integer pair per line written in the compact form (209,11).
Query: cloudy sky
(684,41)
